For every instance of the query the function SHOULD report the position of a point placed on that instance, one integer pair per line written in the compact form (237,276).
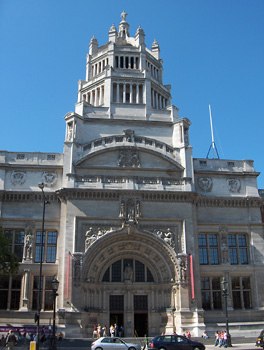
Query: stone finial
(112,33)
(140,35)
(93,47)
(155,49)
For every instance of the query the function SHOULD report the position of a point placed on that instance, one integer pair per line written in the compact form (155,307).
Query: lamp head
(224,284)
(41,186)
(55,284)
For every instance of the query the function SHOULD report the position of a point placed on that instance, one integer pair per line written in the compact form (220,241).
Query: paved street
(85,343)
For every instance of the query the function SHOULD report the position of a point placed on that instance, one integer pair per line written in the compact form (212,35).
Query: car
(174,342)
(260,341)
(113,343)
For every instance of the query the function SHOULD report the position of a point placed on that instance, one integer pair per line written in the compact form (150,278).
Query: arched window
(128,269)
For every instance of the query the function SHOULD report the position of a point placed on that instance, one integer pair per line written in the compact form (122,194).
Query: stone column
(137,94)
(124,93)
(131,94)
(117,92)
(25,290)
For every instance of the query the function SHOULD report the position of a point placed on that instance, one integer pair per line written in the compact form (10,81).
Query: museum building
(136,230)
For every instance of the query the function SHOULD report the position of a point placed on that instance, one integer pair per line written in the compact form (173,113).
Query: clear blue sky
(213,53)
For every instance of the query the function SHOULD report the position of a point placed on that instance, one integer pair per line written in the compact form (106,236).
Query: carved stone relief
(233,185)
(49,178)
(18,177)
(95,232)
(128,158)
(168,235)
(205,183)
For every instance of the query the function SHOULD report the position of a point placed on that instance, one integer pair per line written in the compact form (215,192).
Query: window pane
(19,237)
(243,256)
(203,256)
(19,251)
(233,256)
(116,271)
(139,271)
(140,302)
(38,238)
(52,237)
(216,284)
(206,300)
(232,240)
(16,282)
(149,276)
(51,254)
(35,300)
(236,300)
(48,301)
(247,299)
(3,299)
(202,240)
(116,302)
(9,236)
(106,277)
(15,298)
(245,282)
(235,283)
(37,254)
(212,241)
(4,282)
(48,283)
(217,301)
(214,256)
(205,283)
(242,242)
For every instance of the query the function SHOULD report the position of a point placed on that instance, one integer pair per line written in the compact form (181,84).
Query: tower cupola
(123,27)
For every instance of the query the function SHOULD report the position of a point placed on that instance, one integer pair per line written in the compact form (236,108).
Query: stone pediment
(125,157)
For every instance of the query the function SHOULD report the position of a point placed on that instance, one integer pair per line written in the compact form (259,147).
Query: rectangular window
(116,303)
(15,292)
(140,303)
(208,249)
(46,298)
(139,271)
(16,242)
(49,248)
(211,293)
(116,271)
(238,251)
(241,293)
(4,286)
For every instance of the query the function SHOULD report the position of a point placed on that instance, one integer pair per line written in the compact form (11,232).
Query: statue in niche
(183,268)
(138,209)
(224,244)
(128,273)
(122,210)
(77,267)
(130,210)
(70,132)
(90,237)
(28,243)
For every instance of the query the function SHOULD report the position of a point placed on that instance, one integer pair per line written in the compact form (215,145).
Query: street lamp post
(225,294)
(55,286)
(37,315)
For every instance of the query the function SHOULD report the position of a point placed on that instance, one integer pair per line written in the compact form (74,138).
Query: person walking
(11,340)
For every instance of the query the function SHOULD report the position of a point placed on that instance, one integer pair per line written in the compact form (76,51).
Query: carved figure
(28,246)
(90,237)
(122,209)
(128,273)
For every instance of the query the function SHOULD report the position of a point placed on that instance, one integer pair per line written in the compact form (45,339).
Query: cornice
(244,202)
(219,172)
(22,196)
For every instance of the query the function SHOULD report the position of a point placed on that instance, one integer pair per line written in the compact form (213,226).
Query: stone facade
(136,231)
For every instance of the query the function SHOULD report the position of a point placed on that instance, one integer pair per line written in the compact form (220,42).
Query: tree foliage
(8,261)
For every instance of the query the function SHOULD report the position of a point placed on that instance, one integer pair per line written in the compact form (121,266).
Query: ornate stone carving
(130,210)
(205,183)
(49,178)
(94,233)
(128,158)
(167,235)
(18,177)
(77,262)
(129,135)
(233,185)
(183,261)
(223,232)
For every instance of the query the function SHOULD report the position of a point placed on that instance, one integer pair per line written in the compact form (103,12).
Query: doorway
(141,324)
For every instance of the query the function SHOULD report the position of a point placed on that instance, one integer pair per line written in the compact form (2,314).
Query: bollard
(33,345)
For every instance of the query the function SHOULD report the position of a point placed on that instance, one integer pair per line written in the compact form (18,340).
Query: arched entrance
(128,278)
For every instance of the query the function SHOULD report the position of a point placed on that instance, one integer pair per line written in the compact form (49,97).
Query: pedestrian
(11,340)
